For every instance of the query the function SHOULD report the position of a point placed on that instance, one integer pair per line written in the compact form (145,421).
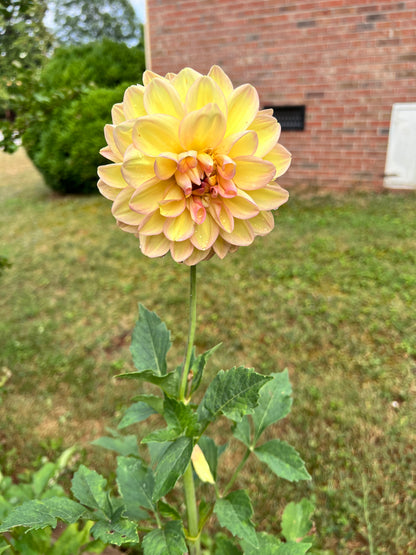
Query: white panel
(400,172)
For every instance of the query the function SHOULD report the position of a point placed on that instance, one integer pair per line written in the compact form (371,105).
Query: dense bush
(64,124)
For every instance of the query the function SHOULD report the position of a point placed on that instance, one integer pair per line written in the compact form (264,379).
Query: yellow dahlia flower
(194,164)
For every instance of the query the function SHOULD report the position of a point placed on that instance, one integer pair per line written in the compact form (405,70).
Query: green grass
(330,295)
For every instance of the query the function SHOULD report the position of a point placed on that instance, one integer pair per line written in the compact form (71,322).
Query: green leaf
(33,542)
(293,548)
(163,435)
(210,450)
(283,460)
(234,513)
(224,546)
(136,484)
(233,393)
(242,430)
(118,532)
(274,402)
(42,477)
(72,539)
(197,366)
(123,445)
(169,383)
(167,511)
(169,540)
(89,488)
(135,413)
(172,465)
(268,545)
(150,342)
(153,401)
(37,514)
(296,521)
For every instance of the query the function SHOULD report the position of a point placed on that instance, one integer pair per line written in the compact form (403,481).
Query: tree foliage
(82,21)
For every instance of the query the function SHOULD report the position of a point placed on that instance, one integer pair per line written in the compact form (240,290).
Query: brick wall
(348,61)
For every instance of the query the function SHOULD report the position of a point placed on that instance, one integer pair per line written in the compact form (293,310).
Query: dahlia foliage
(194,163)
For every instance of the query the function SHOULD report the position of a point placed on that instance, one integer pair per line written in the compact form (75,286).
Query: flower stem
(192,510)
(191,334)
(237,472)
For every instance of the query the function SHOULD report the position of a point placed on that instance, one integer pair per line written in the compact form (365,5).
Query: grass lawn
(330,295)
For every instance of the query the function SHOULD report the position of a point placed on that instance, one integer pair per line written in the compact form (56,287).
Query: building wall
(348,61)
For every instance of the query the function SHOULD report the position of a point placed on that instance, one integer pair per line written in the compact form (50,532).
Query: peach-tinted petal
(133,102)
(197,256)
(242,234)
(166,165)
(253,173)
(268,132)
(148,76)
(160,97)
(107,191)
(152,225)
(225,166)
(205,234)
(270,197)
(170,76)
(221,247)
(123,134)
(147,198)
(241,206)
(243,106)
(155,134)
(122,211)
(154,246)
(138,170)
(181,250)
(117,113)
(263,223)
(222,79)
(183,81)
(111,174)
(109,154)
(197,209)
(226,187)
(280,157)
(202,129)
(127,228)
(180,228)
(221,215)
(202,92)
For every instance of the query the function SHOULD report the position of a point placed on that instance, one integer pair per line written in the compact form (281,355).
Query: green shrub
(64,123)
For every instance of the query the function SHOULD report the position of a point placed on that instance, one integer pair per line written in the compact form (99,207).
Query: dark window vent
(291,118)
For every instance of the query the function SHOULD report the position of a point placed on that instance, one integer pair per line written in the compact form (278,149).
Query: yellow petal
(222,79)
(202,129)
(126,227)
(252,173)
(160,97)
(117,113)
(148,76)
(107,191)
(109,137)
(153,135)
(241,206)
(166,165)
(154,245)
(221,215)
(202,92)
(138,170)
(205,234)
(263,223)
(133,102)
(111,174)
(280,157)
(221,247)
(180,228)
(152,225)
(201,466)
(123,135)
(245,145)
(270,197)
(196,257)
(172,208)
(183,81)
(268,132)
(242,234)
(109,154)
(122,211)
(182,250)
(146,200)
(243,106)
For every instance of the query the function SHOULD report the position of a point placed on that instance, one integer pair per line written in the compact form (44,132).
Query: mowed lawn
(330,294)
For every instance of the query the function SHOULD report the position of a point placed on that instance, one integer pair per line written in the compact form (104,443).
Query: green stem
(191,335)
(237,472)
(192,511)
